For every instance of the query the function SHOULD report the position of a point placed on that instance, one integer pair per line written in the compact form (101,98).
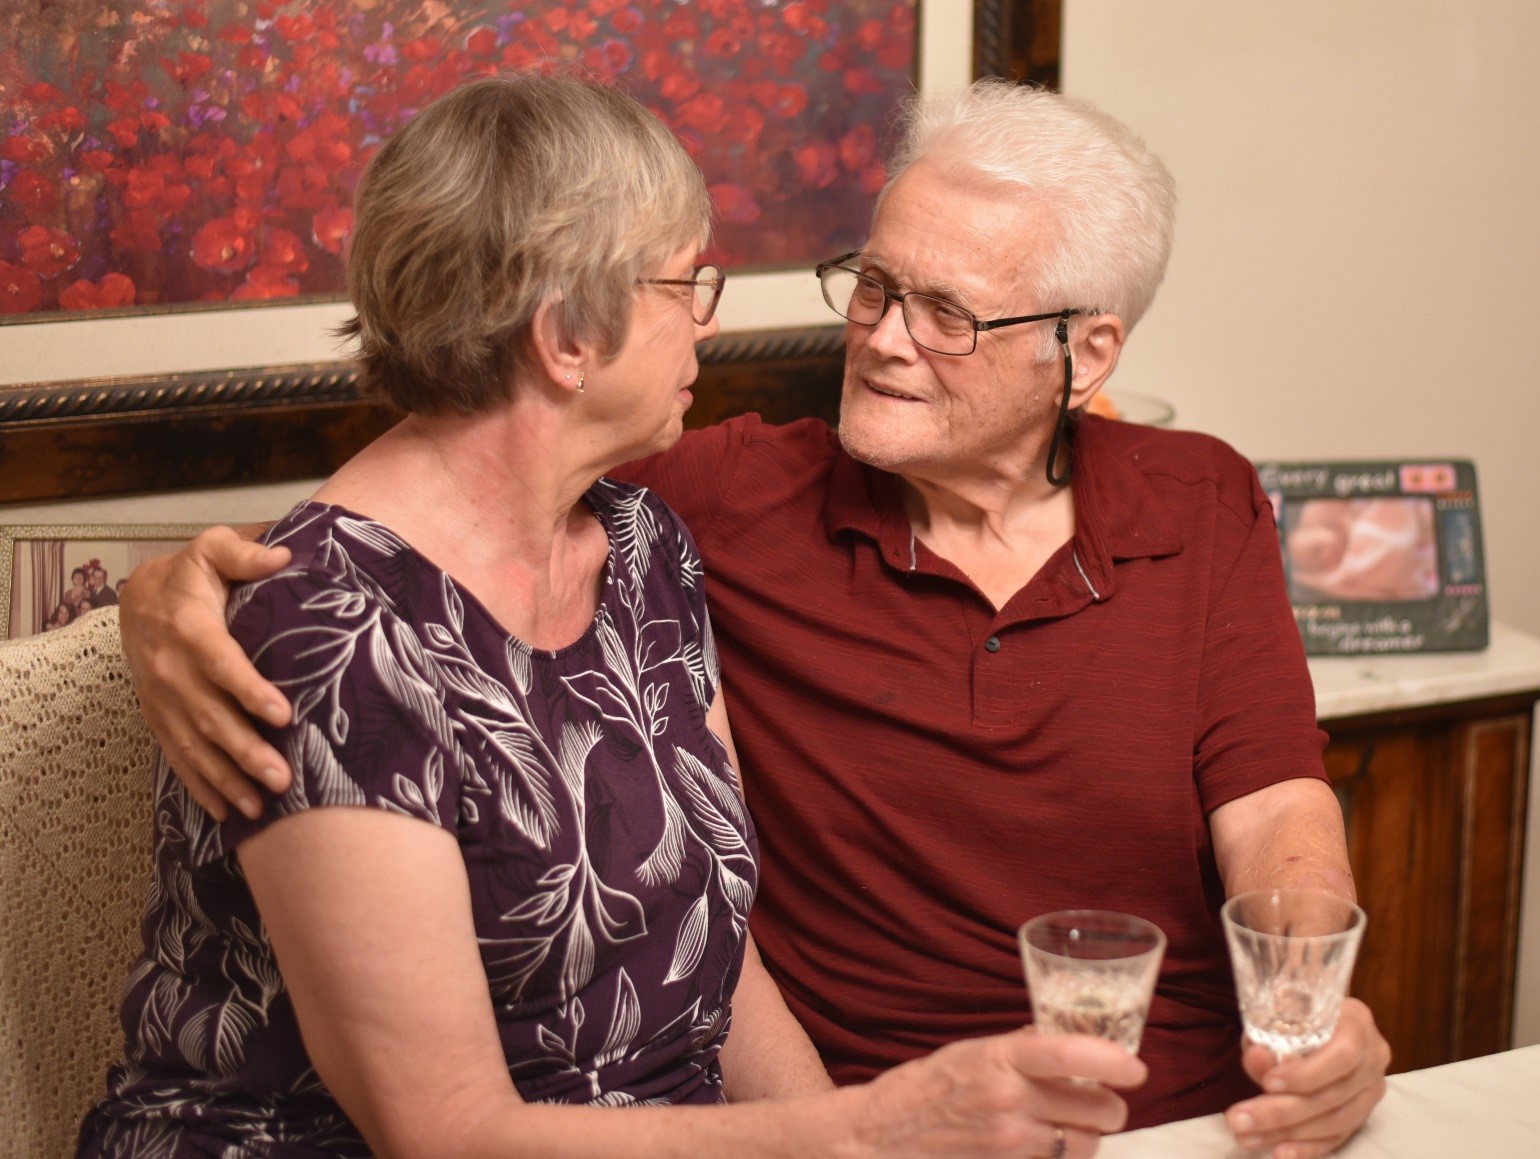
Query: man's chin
(874,449)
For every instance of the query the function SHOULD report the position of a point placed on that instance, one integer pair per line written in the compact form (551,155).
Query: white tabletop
(1485,1108)
(1352,685)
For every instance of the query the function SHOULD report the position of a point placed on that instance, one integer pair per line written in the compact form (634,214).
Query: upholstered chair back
(75,771)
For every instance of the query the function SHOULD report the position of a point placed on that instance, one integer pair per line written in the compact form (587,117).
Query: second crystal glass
(1292,951)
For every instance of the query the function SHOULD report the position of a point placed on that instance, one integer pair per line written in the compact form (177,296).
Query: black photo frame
(1382,557)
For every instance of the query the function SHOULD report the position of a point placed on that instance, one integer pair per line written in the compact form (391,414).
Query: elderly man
(985,660)
(100,593)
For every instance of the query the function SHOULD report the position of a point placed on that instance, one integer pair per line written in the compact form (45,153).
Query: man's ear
(1096,344)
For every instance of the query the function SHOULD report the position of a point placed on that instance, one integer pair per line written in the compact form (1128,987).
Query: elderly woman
(513,868)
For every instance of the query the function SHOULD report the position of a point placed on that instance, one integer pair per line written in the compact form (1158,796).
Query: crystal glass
(1091,972)
(1292,951)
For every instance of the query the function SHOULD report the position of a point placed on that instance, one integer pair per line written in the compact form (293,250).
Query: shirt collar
(867,500)
(1117,514)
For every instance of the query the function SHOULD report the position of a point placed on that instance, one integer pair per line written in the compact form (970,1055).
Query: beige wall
(1357,262)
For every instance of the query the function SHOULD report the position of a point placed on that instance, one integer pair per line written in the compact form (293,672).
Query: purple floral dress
(610,859)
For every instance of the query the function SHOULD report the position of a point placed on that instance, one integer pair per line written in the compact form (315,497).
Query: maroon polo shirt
(927,773)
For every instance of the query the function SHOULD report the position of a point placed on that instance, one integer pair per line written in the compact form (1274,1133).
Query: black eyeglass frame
(1061,333)
(895,296)
(717,283)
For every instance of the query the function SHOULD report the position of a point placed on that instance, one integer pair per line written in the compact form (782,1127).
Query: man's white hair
(1113,201)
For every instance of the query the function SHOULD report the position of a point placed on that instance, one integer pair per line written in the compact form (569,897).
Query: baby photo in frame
(1381,557)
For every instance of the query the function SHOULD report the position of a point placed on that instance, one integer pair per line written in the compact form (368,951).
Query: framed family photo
(51,575)
(176,191)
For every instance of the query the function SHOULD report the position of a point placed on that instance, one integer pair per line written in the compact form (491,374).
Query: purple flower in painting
(383,52)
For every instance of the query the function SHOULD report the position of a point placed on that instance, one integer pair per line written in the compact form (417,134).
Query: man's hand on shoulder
(1312,1104)
(193,679)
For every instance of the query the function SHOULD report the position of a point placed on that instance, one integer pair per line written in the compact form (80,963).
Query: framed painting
(99,394)
(50,575)
(192,154)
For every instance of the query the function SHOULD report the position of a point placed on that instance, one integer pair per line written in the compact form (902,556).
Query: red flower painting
(207,151)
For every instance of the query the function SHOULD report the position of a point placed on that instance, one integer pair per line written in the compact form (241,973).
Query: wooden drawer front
(1434,813)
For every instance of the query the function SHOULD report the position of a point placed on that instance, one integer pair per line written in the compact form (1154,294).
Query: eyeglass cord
(1061,332)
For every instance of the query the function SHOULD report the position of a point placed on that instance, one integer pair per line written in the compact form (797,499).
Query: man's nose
(891,334)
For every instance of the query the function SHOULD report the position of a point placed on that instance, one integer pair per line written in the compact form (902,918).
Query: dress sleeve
(369,727)
(1256,707)
(696,473)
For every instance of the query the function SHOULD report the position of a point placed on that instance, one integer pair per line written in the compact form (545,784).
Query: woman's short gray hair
(501,193)
(1113,200)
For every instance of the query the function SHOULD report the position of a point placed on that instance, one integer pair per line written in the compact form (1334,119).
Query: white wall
(1357,263)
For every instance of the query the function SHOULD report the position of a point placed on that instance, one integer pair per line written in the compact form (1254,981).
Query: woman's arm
(369,916)
(768,1055)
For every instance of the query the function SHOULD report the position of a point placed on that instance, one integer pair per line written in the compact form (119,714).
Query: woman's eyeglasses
(708,282)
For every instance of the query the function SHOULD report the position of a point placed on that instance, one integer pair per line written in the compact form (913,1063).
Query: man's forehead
(973,240)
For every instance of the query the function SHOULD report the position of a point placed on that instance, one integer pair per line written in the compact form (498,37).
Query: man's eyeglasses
(936,324)
(941,327)
(708,282)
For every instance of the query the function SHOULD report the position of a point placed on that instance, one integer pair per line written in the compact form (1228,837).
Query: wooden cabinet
(1435,801)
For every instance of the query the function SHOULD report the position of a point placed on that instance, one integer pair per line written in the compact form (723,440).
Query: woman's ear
(1096,345)
(562,359)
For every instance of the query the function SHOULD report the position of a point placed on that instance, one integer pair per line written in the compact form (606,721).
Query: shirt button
(992,644)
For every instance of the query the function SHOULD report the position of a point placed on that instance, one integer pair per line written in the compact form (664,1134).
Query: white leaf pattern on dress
(662,864)
(691,942)
(314,763)
(452,603)
(625,1021)
(372,535)
(717,808)
(343,604)
(254,957)
(635,528)
(519,665)
(214,1038)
